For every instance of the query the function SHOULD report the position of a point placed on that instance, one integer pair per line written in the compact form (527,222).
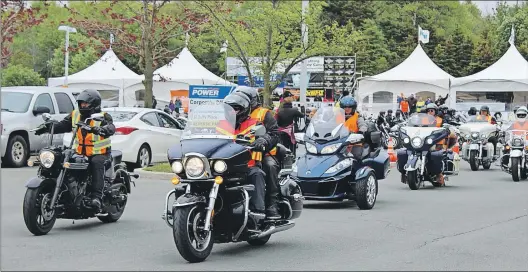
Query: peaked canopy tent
(178,74)
(417,73)
(508,74)
(107,73)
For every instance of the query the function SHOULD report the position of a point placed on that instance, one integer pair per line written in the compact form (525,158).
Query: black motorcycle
(418,160)
(61,187)
(211,198)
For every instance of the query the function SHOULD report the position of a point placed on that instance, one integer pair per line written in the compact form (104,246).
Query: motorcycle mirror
(46,116)
(259,130)
(97,116)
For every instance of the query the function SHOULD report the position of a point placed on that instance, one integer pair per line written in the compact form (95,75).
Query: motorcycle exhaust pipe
(274,229)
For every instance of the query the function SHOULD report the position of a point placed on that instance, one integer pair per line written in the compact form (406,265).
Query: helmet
(382,113)
(472,111)
(521,113)
(241,104)
(93,98)
(389,111)
(348,102)
(250,92)
(485,108)
(431,106)
(515,109)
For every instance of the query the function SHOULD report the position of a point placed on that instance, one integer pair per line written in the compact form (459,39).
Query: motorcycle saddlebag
(402,159)
(375,138)
(434,165)
(449,166)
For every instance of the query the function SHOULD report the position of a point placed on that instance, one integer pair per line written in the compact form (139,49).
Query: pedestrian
(412,103)
(177,105)
(171,106)
(420,104)
(404,106)
(154,102)
(428,101)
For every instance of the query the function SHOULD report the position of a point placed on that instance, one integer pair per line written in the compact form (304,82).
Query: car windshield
(16,101)
(421,120)
(211,120)
(475,119)
(122,116)
(327,122)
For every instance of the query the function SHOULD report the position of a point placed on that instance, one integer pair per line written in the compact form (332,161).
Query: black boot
(96,203)
(272,212)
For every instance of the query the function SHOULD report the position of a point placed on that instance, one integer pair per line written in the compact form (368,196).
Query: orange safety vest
(259,114)
(482,117)
(438,121)
(517,125)
(90,144)
(225,128)
(352,123)
(404,106)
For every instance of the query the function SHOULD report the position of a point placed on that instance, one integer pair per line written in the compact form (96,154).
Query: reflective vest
(225,128)
(404,106)
(419,105)
(352,123)
(484,117)
(259,114)
(438,121)
(90,144)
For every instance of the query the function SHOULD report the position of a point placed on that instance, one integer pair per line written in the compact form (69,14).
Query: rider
(95,144)
(270,140)
(472,111)
(485,115)
(354,122)
(520,123)
(243,124)
(390,118)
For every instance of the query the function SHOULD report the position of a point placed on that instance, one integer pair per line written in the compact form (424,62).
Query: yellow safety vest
(259,114)
(419,105)
(91,144)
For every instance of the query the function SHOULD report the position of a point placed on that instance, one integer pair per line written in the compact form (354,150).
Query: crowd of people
(412,104)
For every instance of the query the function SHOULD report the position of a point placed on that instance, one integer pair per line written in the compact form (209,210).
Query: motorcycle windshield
(421,120)
(213,120)
(327,124)
(475,119)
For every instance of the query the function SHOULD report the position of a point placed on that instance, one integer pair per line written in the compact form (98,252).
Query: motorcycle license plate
(473,146)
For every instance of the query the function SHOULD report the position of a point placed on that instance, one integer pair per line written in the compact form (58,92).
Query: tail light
(125,130)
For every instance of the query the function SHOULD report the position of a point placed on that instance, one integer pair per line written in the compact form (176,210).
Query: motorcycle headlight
(483,136)
(330,148)
(417,142)
(177,167)
(311,148)
(429,141)
(194,167)
(220,166)
(339,166)
(474,135)
(46,158)
(517,142)
(407,140)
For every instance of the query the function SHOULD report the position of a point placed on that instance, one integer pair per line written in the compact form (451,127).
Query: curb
(153,175)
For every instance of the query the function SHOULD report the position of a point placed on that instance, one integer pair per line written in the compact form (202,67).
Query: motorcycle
(476,149)
(515,154)
(418,160)
(338,165)
(211,195)
(61,187)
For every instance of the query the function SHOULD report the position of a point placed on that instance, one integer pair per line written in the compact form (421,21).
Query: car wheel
(17,151)
(144,156)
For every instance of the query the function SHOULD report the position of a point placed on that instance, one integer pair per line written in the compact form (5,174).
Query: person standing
(404,107)
(154,102)
(171,106)
(412,103)
(177,105)
(420,104)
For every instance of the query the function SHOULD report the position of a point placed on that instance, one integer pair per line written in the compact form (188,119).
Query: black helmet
(251,93)
(241,104)
(472,111)
(389,111)
(382,113)
(485,108)
(93,98)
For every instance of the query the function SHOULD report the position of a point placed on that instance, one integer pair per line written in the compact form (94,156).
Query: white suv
(22,108)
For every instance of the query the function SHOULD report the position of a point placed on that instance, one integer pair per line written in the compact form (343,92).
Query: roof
(107,67)
(40,89)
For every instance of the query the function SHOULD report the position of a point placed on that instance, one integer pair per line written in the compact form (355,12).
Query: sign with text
(203,96)
(258,80)
(339,72)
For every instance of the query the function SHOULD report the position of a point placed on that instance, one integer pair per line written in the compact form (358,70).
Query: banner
(423,35)
(258,80)
(201,96)
(340,72)
(183,95)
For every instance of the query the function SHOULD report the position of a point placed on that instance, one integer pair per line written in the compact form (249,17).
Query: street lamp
(304,73)
(67,29)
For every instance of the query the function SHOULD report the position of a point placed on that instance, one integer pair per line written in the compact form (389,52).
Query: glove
(260,144)
(42,129)
(97,131)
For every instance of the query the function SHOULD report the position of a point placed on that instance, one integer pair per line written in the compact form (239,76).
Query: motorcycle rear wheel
(188,233)
(35,202)
(115,211)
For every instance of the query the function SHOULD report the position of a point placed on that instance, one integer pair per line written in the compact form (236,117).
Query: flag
(224,47)
(111,38)
(512,36)
(423,35)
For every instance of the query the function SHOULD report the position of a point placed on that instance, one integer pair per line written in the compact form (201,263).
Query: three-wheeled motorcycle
(212,193)
(477,150)
(339,165)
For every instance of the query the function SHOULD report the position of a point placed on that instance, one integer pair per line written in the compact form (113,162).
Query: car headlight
(417,142)
(474,135)
(311,148)
(429,141)
(46,158)
(407,140)
(194,167)
(517,142)
(177,167)
(339,166)
(220,166)
(330,148)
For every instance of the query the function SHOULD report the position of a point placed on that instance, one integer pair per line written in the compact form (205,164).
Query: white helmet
(521,113)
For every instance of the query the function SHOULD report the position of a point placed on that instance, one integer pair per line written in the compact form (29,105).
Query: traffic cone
(390,150)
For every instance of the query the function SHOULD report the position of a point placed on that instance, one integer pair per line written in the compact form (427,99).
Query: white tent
(417,73)
(107,73)
(508,74)
(178,74)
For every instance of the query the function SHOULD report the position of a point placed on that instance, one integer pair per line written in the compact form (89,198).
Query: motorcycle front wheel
(515,163)
(473,161)
(412,180)
(39,219)
(192,241)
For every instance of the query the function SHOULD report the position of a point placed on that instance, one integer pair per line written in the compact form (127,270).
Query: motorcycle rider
(243,124)
(270,140)
(353,120)
(94,144)
(520,123)
(472,111)
(390,118)
(485,115)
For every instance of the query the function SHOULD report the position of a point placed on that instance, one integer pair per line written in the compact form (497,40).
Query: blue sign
(209,92)
(259,81)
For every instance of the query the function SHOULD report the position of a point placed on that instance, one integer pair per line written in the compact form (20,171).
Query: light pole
(304,73)
(67,29)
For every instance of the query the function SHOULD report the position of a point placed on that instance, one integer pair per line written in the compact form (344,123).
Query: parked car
(21,107)
(143,135)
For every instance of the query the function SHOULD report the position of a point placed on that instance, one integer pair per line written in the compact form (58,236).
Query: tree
(15,19)
(157,22)
(271,32)
(18,75)
(79,60)
(373,53)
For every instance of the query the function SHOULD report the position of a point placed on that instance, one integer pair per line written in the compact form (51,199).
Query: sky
(487,6)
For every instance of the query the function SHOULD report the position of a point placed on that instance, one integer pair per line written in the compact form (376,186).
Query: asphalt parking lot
(478,222)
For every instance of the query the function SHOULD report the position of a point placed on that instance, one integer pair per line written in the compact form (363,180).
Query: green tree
(372,50)
(79,60)
(18,75)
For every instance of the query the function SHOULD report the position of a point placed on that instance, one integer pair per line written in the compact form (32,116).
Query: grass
(159,167)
